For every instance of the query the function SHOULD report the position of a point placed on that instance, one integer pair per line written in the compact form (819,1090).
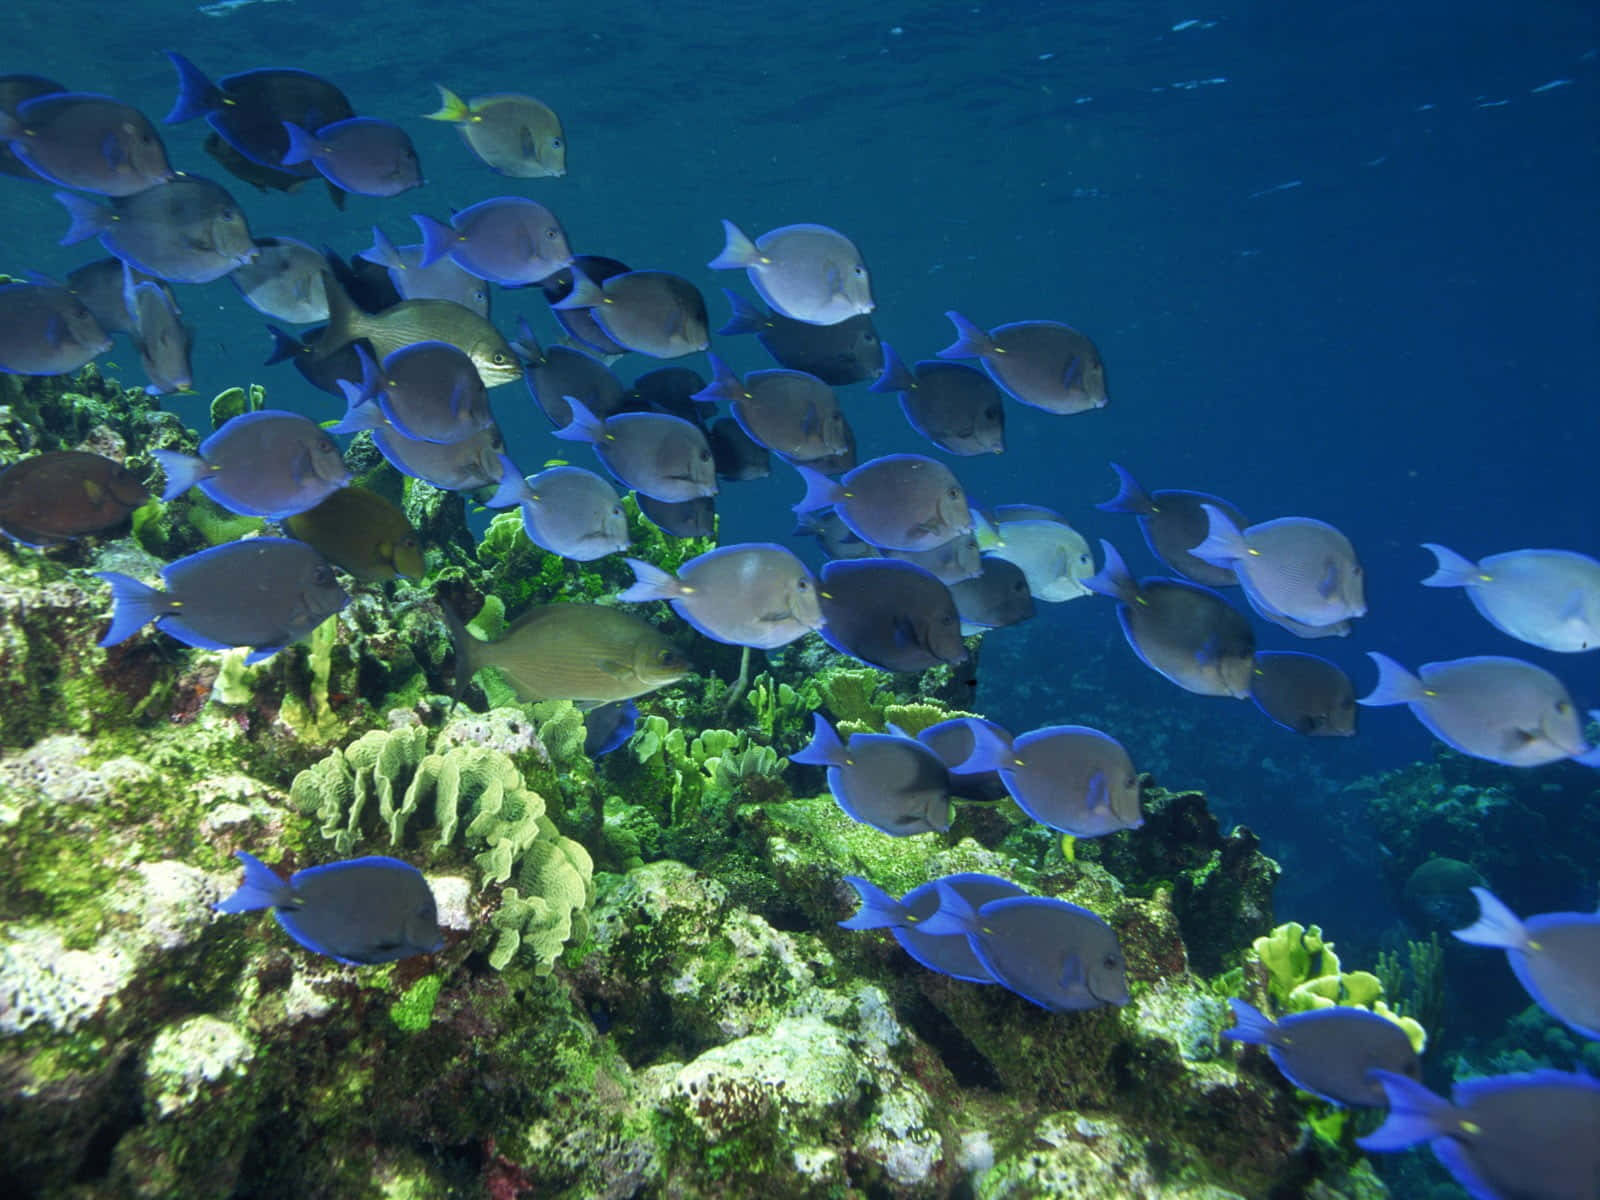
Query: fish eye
(498,358)
(860,271)
(803,585)
(227,214)
(1111,962)
(1563,707)
(953,493)
(555,143)
(552,233)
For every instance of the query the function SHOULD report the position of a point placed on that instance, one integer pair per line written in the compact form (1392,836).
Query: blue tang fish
(1069,777)
(1555,956)
(1547,598)
(948,953)
(889,781)
(361,911)
(1329,1052)
(608,727)
(262,464)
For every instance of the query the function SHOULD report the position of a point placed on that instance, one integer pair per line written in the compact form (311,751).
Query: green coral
(413,1011)
(561,730)
(1304,973)
(850,694)
(780,710)
(234,402)
(549,906)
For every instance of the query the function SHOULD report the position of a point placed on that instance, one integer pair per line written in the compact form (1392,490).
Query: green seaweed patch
(413,1011)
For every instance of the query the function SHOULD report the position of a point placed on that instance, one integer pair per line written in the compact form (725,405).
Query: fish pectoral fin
(1207,653)
(1099,793)
(614,667)
(1072,373)
(1329,582)
(1073,977)
(1572,610)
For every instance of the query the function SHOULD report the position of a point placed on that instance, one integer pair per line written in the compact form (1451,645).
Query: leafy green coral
(1304,973)
(780,710)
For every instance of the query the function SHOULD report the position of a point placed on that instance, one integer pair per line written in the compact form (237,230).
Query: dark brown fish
(54,497)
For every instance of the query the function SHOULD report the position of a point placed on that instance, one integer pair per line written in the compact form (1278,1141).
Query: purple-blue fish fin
(970,340)
(585,293)
(825,749)
(878,910)
(1454,1157)
(650,583)
(1496,925)
(86,217)
(1415,1114)
(362,414)
(738,252)
(821,492)
(1113,578)
(262,888)
(260,654)
(1395,685)
(1329,583)
(111,151)
(133,605)
(725,385)
(513,488)
(744,317)
(1224,545)
(1251,1026)
(991,750)
(284,346)
(183,471)
(954,914)
(1099,796)
(584,426)
(197,95)
(1452,569)
(302,145)
(1072,372)
(383,252)
(1130,497)
(895,376)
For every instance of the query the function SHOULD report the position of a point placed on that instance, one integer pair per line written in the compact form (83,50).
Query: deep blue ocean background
(1341,261)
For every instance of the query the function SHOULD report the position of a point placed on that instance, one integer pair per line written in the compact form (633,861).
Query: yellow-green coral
(549,906)
(561,729)
(1304,973)
(850,694)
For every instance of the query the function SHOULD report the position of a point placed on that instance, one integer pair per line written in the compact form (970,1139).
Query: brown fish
(54,497)
(362,533)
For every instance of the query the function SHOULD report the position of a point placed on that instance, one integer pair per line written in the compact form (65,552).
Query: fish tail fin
(725,386)
(585,293)
(512,489)
(895,376)
(971,342)
(1130,497)
(10,127)
(985,531)
(1452,569)
(183,471)
(1114,579)
(744,317)
(262,888)
(738,251)
(954,914)
(1395,685)
(820,490)
(467,662)
(1415,1114)
(878,910)
(133,605)
(1251,1026)
(302,146)
(1496,925)
(86,217)
(825,749)
(991,750)
(584,426)
(437,238)
(1224,545)
(346,322)
(526,343)
(452,107)
(362,414)
(383,252)
(285,347)
(197,95)
(651,583)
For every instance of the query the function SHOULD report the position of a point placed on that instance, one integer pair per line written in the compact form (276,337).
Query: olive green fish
(362,533)
(514,134)
(413,321)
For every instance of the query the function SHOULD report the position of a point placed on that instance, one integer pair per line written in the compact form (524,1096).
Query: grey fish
(570,512)
(650,312)
(441,280)
(1547,598)
(808,272)
(51,498)
(1070,778)
(681,518)
(1174,523)
(999,596)
(837,464)
(427,391)
(561,371)
(413,321)
(1043,364)
(836,538)
(284,281)
(661,456)
(1295,567)
(102,285)
(671,390)
(262,464)
(897,502)
(891,615)
(1528,1136)
(1059,956)
(1052,554)
(957,408)
(1329,1051)
(474,462)
(46,330)
(579,323)
(359,154)
(578,652)
(793,414)
(840,354)
(1500,709)
(359,911)
(753,594)
(888,781)
(187,230)
(1180,630)
(262,592)
(509,240)
(326,373)
(949,954)
(163,341)
(1555,957)
(85,141)
(16,90)
(513,134)
(951,562)
(1304,693)
(954,742)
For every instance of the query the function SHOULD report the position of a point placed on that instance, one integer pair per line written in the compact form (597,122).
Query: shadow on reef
(643,992)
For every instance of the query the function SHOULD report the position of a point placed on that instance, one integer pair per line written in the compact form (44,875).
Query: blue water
(1341,262)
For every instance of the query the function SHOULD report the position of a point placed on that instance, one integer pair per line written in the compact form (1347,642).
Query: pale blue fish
(86,141)
(808,272)
(284,281)
(1500,709)
(793,414)
(509,240)
(889,781)
(581,327)
(426,391)
(892,615)
(957,408)
(1295,567)
(1330,1052)
(567,511)
(897,502)
(649,312)
(102,285)
(46,330)
(836,538)
(1043,364)
(954,741)
(187,230)
(1071,778)
(262,592)
(681,518)
(561,371)
(1174,523)
(1059,956)
(360,154)
(441,280)
(1304,693)
(1555,957)
(1051,553)
(950,562)
(1547,598)
(1508,1137)
(359,911)
(474,462)
(665,457)
(163,341)
(950,953)
(755,594)
(261,464)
